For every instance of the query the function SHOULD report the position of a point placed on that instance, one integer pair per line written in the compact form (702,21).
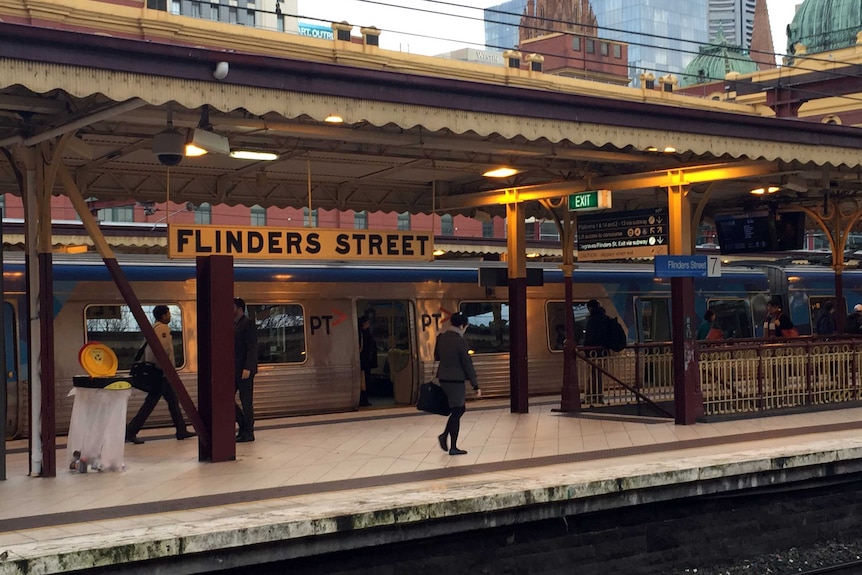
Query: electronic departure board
(745,234)
(760,232)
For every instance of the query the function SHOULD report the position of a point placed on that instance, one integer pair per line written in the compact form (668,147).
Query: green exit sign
(592,200)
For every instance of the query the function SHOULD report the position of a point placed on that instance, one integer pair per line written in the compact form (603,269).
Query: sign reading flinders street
(189,241)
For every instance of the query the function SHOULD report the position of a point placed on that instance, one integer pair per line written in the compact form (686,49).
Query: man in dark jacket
(245,366)
(854,320)
(596,336)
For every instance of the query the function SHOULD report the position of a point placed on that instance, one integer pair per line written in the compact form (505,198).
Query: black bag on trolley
(145,375)
(433,399)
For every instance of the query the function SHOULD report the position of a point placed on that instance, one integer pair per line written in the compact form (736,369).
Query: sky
(417,26)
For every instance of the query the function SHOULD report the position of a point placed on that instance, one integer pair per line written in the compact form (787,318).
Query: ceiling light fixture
(438,253)
(201,141)
(764,190)
(253,155)
(333,119)
(503,172)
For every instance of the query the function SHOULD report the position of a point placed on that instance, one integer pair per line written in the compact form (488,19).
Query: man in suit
(245,366)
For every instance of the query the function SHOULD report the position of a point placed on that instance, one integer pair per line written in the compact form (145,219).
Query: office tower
(663,35)
(501,24)
(269,14)
(735,18)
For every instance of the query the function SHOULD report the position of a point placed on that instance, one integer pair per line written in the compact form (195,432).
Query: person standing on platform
(596,336)
(854,321)
(826,321)
(367,358)
(456,366)
(245,366)
(162,315)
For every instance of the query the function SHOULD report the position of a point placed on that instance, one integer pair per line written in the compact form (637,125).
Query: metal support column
(688,397)
(216,385)
(517,306)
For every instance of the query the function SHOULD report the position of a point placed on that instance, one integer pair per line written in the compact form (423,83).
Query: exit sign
(592,200)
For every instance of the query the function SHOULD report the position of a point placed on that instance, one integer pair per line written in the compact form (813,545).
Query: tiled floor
(384,454)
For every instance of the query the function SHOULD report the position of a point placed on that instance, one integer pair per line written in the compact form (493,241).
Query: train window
(734,316)
(556,321)
(390,325)
(280,332)
(653,319)
(489,326)
(116,327)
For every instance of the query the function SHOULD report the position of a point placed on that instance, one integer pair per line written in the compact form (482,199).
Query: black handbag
(145,375)
(433,399)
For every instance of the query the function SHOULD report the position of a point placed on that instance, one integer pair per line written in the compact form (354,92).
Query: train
(307,312)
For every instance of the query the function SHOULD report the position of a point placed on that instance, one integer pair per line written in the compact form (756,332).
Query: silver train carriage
(307,314)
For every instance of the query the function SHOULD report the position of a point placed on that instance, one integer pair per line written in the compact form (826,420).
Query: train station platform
(328,483)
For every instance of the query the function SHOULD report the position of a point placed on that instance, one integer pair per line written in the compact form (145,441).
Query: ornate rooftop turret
(824,25)
(715,61)
(542,17)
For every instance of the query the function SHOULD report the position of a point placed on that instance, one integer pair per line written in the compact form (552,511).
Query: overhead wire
(802,91)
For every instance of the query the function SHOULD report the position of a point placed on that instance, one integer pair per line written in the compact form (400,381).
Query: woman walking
(455,367)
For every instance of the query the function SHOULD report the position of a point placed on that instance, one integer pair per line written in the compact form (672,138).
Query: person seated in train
(162,315)
(367,358)
(709,328)
(854,321)
(777,323)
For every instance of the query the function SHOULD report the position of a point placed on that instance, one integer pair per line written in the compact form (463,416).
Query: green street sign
(591,200)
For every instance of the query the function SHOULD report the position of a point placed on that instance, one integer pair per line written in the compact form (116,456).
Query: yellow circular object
(118,385)
(98,360)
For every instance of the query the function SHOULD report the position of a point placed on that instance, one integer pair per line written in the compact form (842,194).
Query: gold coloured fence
(759,375)
(638,373)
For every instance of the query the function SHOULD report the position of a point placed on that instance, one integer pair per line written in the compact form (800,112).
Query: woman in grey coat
(455,367)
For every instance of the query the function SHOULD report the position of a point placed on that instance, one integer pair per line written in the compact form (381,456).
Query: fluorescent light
(253,155)
(503,172)
(333,119)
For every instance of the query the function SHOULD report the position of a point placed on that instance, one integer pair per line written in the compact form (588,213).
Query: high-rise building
(735,19)
(663,35)
(501,24)
(270,14)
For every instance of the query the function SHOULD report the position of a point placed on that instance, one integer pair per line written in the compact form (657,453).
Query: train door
(13,389)
(395,379)
(733,315)
(653,319)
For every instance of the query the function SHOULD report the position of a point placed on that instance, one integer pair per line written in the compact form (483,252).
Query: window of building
(116,327)
(251,18)
(117,214)
(447,225)
(175,6)
(404,221)
(360,220)
(258,215)
(576,43)
(204,214)
(604,48)
(2,205)
(280,332)
(232,15)
(487,229)
(618,51)
(591,46)
(214,12)
(489,326)
(279,23)
(196,10)
(309,222)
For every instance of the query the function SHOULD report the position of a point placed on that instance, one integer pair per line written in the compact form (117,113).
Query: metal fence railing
(736,377)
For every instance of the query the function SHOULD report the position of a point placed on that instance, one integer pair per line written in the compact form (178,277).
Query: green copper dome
(824,25)
(715,61)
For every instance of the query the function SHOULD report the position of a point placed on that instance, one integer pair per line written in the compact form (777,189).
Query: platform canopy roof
(417,135)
